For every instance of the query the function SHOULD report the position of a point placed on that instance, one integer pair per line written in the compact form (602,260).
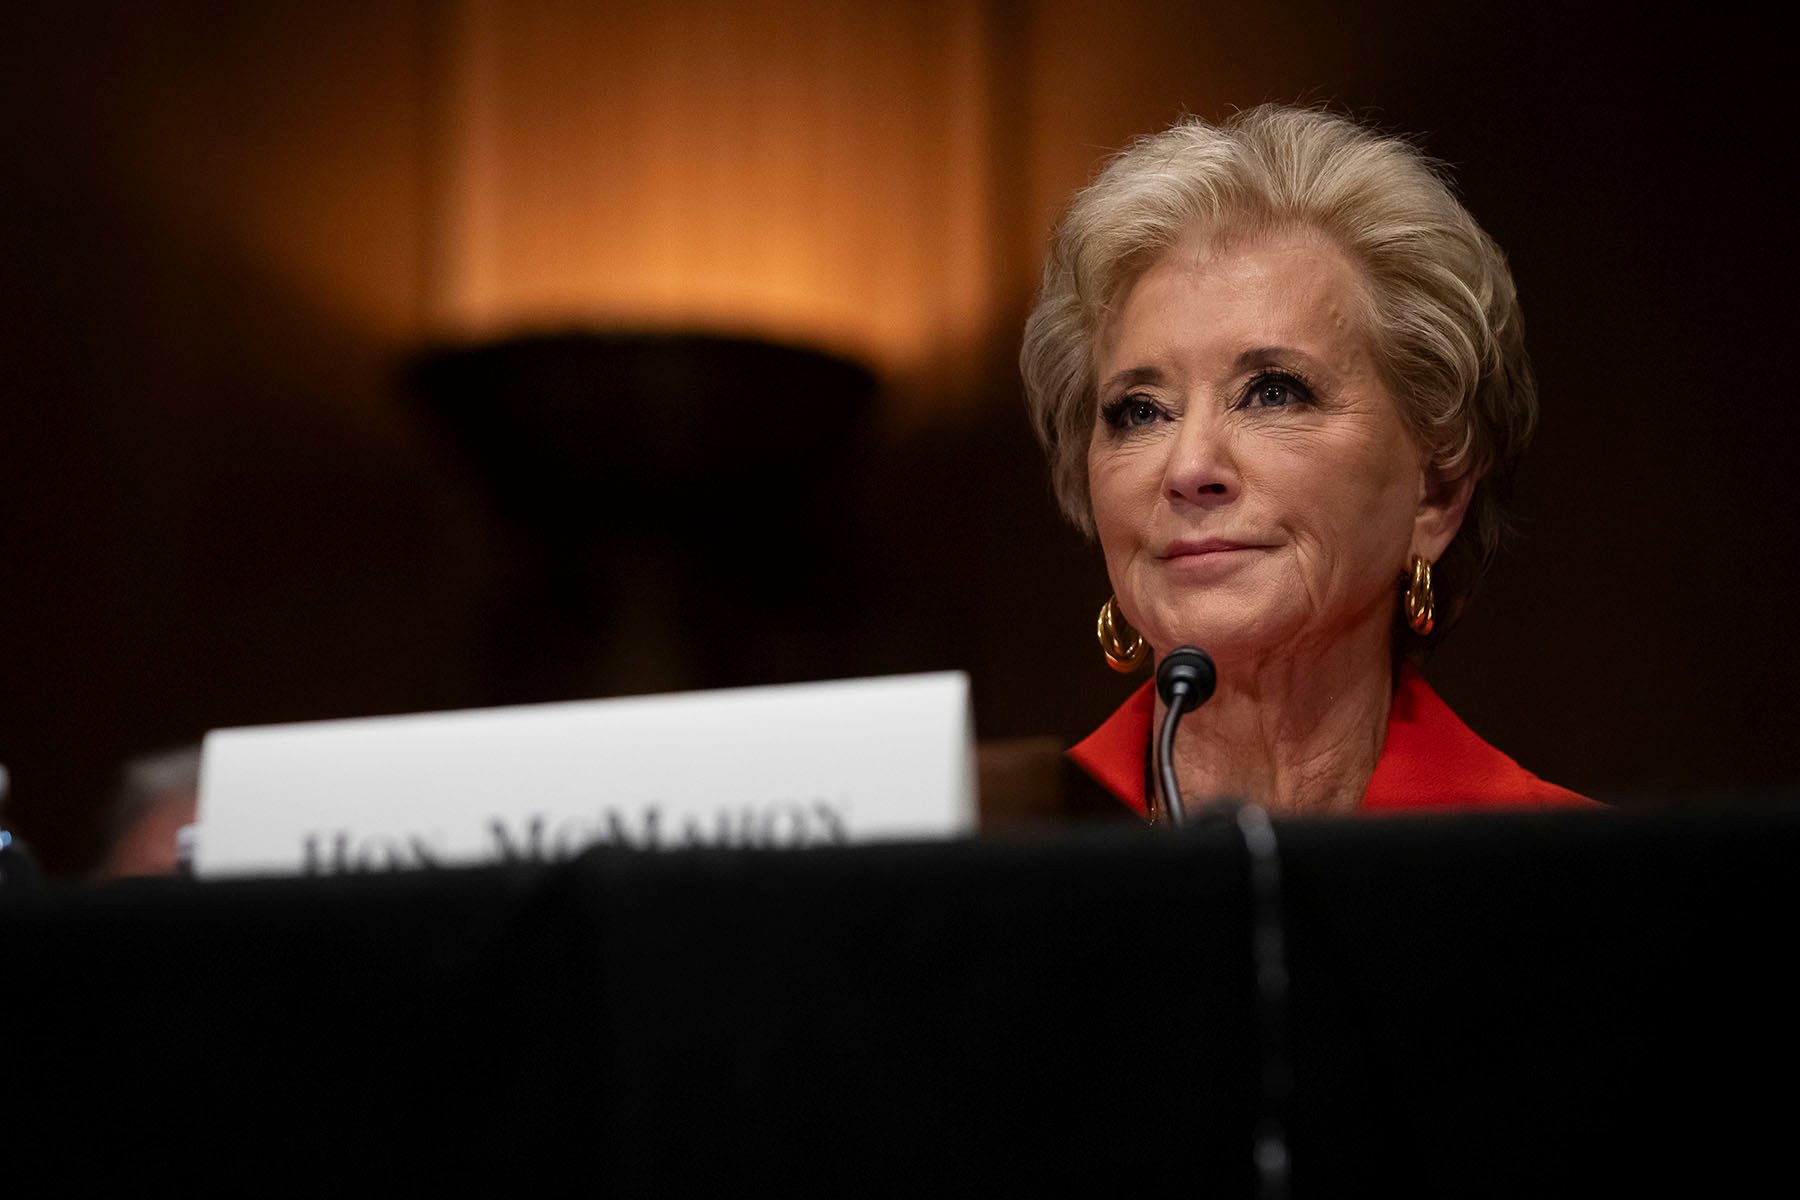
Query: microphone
(1185,679)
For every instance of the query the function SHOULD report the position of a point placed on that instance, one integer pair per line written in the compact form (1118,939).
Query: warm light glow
(816,173)
(872,179)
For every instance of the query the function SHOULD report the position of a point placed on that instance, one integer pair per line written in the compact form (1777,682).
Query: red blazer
(1429,759)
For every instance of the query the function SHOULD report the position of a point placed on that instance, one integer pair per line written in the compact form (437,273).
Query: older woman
(1279,372)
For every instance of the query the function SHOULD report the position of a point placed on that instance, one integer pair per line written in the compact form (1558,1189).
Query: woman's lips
(1205,547)
(1209,555)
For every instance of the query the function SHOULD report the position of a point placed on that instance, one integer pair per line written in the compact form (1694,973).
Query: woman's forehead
(1223,293)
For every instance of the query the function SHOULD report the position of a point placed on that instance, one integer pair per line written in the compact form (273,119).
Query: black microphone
(1185,679)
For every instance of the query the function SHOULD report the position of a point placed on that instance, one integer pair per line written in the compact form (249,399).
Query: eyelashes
(1265,390)
(1276,389)
(1132,411)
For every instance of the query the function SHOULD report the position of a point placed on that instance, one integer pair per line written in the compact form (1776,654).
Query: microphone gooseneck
(1185,679)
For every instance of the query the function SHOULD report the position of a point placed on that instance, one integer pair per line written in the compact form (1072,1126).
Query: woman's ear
(1443,502)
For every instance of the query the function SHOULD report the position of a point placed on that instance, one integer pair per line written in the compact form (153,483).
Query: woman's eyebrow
(1131,376)
(1259,355)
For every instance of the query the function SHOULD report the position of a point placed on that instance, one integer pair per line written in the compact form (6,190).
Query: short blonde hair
(1447,334)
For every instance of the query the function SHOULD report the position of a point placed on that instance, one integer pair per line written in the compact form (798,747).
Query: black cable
(1165,762)
(1268,960)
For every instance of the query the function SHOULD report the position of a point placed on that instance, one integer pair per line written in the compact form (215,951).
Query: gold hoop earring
(1122,654)
(1420,604)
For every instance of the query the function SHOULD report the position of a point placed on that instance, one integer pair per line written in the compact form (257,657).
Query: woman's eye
(1276,391)
(1139,412)
(1132,412)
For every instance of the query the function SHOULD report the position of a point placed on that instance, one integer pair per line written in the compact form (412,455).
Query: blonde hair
(1444,318)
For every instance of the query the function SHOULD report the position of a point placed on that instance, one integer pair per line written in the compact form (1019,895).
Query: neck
(1298,735)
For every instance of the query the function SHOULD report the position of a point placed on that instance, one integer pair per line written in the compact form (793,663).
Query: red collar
(1429,758)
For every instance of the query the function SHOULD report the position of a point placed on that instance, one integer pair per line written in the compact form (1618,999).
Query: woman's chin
(1226,647)
(1251,645)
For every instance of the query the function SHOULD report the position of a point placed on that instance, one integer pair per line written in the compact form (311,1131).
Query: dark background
(224,501)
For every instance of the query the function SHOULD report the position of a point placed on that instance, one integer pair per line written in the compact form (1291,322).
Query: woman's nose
(1201,467)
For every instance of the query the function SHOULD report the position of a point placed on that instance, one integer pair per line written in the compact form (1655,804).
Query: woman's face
(1254,489)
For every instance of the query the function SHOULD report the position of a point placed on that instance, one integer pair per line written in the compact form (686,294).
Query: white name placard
(789,766)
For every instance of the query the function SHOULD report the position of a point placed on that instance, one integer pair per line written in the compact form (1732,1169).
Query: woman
(1279,372)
